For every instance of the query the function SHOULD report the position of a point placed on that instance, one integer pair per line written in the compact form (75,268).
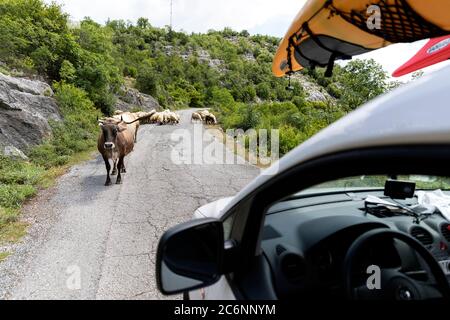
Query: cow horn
(138,119)
(100,121)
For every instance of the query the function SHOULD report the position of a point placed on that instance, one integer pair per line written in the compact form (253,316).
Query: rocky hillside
(26,107)
(131,99)
(122,65)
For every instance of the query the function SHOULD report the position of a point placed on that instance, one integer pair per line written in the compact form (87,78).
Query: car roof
(416,113)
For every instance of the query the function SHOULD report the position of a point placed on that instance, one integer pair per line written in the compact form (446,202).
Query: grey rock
(132,98)
(26,106)
(13,152)
(34,87)
(314,92)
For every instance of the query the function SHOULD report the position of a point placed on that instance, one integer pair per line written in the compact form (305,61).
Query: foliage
(362,80)
(226,70)
(75,134)
(36,38)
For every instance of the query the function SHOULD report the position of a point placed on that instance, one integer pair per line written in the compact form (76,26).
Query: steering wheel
(395,285)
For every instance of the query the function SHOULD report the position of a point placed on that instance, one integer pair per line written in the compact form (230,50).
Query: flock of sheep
(204,116)
(160,118)
(168,117)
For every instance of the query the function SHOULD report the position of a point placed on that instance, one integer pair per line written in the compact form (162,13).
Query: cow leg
(108,168)
(119,167)
(123,170)
(114,172)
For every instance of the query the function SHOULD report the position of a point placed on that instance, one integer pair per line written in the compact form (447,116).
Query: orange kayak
(328,30)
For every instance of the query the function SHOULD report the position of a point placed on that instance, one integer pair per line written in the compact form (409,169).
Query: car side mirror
(190,256)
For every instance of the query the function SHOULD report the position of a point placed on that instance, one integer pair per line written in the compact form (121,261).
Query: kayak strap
(330,66)
(334,54)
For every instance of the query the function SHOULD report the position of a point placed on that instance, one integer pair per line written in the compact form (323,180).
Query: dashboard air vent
(280,249)
(445,230)
(422,235)
(293,266)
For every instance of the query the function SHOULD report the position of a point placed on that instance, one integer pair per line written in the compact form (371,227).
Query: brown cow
(130,118)
(115,141)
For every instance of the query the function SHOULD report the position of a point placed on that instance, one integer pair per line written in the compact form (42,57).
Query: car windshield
(369,182)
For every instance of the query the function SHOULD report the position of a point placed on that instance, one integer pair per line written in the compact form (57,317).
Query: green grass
(4,255)
(11,229)
(19,180)
(13,232)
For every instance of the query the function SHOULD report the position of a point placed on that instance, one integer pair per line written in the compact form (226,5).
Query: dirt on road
(88,241)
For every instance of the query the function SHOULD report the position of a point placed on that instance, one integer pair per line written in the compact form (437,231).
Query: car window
(423,182)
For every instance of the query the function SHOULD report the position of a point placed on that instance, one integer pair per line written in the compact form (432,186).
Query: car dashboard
(305,241)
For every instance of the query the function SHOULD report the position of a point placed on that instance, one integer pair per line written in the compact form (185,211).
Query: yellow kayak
(328,30)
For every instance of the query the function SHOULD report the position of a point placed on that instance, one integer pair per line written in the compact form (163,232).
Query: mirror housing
(190,256)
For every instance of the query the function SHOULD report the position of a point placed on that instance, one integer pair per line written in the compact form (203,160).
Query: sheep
(177,116)
(160,118)
(210,119)
(196,116)
(203,114)
(163,117)
(154,117)
(173,118)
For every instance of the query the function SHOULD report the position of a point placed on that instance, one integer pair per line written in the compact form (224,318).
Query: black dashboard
(305,241)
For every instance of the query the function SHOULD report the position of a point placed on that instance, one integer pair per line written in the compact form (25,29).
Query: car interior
(353,225)
(307,236)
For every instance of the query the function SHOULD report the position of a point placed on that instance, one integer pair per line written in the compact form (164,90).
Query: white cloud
(257,16)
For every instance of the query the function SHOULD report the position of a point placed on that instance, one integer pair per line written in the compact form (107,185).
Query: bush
(248,93)
(263,91)
(147,80)
(13,195)
(334,90)
(67,71)
(298,101)
(250,119)
(19,172)
(130,71)
(221,100)
(289,139)
(76,133)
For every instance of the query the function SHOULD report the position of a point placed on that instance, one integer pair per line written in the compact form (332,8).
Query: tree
(263,90)
(147,80)
(362,80)
(143,23)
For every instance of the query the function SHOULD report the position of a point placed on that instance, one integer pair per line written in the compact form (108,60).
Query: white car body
(417,113)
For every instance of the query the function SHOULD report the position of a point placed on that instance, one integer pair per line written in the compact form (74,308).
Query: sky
(271,17)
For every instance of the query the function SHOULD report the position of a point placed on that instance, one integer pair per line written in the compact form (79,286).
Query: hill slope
(94,69)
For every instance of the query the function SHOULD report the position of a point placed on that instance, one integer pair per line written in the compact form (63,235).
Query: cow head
(110,128)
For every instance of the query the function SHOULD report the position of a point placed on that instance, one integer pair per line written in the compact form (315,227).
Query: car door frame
(250,212)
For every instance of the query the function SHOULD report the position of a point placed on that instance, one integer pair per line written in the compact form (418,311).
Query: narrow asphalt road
(88,241)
